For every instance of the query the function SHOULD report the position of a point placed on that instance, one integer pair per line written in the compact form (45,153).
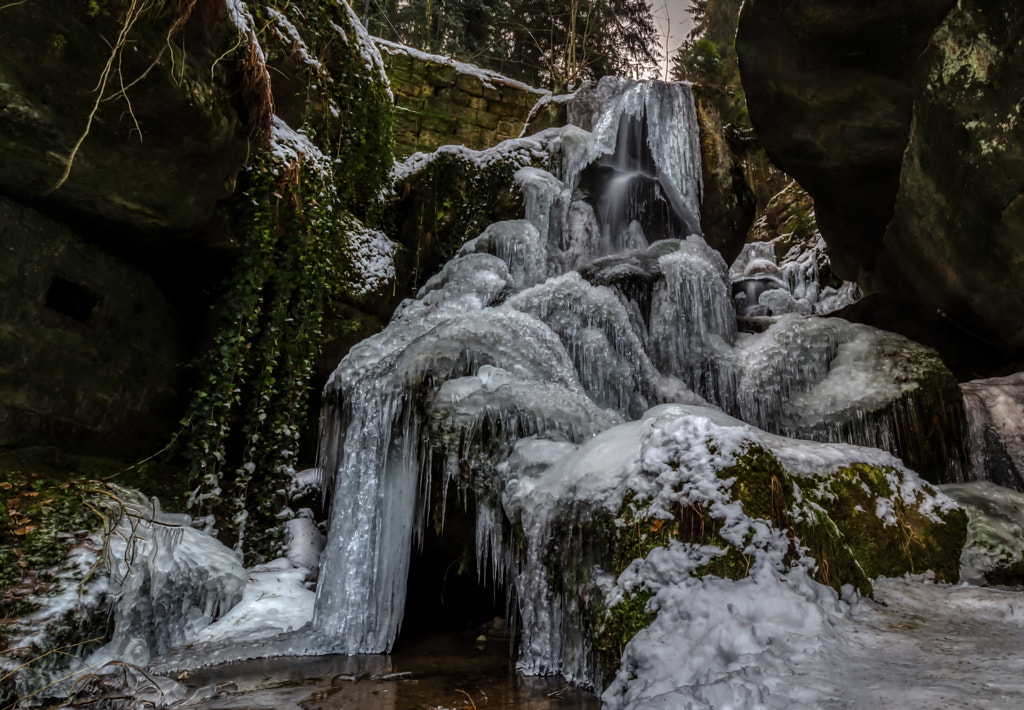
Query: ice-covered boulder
(994,551)
(650,515)
(112,552)
(996,431)
(167,580)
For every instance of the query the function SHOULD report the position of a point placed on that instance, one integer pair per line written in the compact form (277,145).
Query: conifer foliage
(548,43)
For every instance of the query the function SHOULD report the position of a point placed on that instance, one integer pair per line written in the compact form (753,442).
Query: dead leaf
(25,530)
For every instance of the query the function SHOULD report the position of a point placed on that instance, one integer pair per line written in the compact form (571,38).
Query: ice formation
(521,374)
(996,434)
(763,287)
(994,552)
(168,580)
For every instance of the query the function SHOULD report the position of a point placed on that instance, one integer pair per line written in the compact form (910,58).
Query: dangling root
(135,11)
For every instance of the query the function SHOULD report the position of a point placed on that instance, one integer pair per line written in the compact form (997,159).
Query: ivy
(299,243)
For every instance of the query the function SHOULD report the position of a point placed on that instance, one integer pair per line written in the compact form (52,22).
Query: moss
(732,565)
(296,220)
(767,491)
(914,543)
(761,485)
(617,626)
(42,516)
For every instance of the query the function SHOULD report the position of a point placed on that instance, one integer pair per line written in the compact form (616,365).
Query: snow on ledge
(487,77)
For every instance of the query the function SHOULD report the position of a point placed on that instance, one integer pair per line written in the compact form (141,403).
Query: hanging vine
(300,245)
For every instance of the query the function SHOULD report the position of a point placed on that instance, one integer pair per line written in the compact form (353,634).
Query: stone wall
(440,101)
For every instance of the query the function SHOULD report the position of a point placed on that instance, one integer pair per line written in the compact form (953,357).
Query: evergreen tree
(708,56)
(550,43)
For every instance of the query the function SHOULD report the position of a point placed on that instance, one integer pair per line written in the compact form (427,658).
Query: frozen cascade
(690,304)
(533,341)
(666,115)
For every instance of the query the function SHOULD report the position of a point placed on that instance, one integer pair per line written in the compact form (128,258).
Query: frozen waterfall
(603,302)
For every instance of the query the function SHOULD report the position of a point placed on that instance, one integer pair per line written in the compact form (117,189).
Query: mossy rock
(44,515)
(165,144)
(832,519)
(888,535)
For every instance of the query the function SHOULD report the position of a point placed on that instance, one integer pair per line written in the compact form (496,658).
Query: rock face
(162,140)
(728,204)
(89,347)
(957,235)
(445,102)
(829,92)
(902,120)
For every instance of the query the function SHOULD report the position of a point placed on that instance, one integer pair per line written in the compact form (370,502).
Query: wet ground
(447,672)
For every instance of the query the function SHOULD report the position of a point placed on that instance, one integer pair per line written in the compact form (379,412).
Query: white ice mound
(169,581)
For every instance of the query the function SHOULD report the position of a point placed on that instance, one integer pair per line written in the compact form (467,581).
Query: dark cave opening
(446,594)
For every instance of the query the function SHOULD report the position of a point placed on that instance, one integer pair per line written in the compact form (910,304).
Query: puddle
(447,672)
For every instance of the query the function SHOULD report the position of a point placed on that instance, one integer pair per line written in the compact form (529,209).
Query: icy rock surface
(672,458)
(996,428)
(994,552)
(763,287)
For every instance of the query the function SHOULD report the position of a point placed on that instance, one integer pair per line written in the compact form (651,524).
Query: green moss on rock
(617,626)
(42,517)
(857,499)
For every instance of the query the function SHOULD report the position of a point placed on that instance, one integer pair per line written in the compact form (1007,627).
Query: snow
(488,78)
(516,151)
(303,542)
(366,45)
(288,33)
(274,602)
(373,260)
(240,16)
(762,644)
(290,146)
(73,589)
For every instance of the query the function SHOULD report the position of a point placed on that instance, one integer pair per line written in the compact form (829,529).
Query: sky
(673,23)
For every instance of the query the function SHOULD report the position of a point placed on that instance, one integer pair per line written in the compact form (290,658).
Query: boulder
(995,429)
(728,204)
(902,122)
(89,347)
(994,549)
